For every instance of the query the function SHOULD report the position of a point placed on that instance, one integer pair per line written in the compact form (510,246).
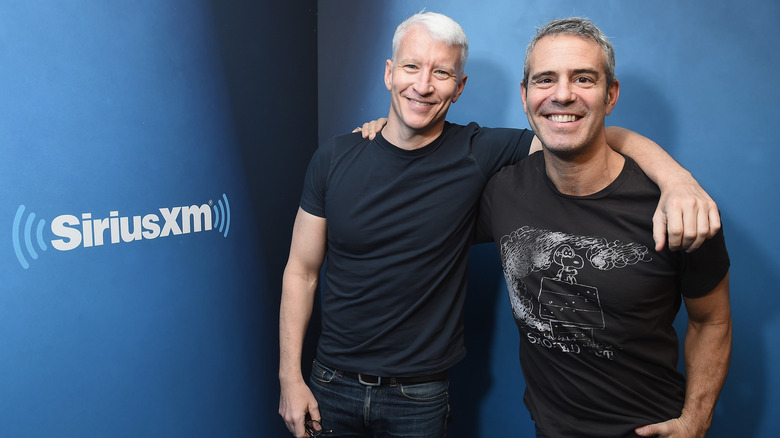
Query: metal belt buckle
(376,383)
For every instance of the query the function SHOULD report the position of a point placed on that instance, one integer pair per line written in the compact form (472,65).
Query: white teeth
(562,118)
(417,102)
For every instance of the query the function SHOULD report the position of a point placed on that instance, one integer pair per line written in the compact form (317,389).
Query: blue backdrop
(153,155)
(699,78)
(151,167)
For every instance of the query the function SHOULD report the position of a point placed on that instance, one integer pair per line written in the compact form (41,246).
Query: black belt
(369,380)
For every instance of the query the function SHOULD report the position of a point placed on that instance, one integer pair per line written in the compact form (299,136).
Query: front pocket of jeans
(425,391)
(321,374)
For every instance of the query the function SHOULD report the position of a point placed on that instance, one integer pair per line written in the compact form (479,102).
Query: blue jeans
(352,409)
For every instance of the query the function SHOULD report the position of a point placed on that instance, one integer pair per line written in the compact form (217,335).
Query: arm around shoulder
(686,214)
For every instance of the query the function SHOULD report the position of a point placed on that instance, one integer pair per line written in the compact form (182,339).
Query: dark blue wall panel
(697,77)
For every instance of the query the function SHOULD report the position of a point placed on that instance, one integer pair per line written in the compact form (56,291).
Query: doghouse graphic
(573,310)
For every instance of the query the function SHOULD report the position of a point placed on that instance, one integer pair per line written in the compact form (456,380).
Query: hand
(675,428)
(370,129)
(687,213)
(295,402)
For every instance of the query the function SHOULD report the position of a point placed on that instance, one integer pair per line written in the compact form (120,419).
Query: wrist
(696,421)
(676,178)
(289,377)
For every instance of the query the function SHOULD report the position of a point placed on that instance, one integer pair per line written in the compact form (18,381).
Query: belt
(369,380)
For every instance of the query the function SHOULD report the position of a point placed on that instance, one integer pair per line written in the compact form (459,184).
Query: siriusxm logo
(84,231)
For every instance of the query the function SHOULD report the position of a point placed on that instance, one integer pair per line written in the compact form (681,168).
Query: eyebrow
(574,72)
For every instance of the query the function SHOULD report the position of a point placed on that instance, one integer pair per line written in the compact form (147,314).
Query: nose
(563,92)
(423,84)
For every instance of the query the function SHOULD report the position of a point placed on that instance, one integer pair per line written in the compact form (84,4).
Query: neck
(407,138)
(583,173)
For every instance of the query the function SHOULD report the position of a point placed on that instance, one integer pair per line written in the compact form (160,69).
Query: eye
(543,82)
(442,74)
(410,67)
(584,80)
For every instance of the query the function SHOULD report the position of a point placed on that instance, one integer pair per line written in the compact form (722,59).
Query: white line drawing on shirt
(573,310)
(568,312)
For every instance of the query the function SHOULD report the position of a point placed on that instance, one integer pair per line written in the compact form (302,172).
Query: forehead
(418,45)
(565,53)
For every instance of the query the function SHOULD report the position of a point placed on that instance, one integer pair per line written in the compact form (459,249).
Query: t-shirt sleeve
(484,230)
(499,147)
(315,183)
(705,267)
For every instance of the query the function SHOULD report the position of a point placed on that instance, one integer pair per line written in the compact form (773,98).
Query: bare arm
(536,145)
(370,129)
(686,212)
(299,284)
(707,354)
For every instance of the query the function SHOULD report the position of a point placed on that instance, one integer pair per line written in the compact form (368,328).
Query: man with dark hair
(593,304)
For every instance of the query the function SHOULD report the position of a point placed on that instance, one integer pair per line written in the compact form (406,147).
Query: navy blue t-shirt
(400,224)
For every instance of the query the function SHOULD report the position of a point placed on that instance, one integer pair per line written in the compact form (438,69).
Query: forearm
(707,355)
(294,314)
(658,165)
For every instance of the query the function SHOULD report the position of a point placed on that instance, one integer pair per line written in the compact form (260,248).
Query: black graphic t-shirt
(592,299)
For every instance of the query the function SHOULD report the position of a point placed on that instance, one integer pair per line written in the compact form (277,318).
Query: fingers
(688,216)
(674,229)
(692,228)
(298,427)
(365,131)
(647,431)
(659,229)
(369,129)
(714,220)
(656,430)
(296,410)
(707,225)
(685,225)
(700,233)
(314,413)
(295,423)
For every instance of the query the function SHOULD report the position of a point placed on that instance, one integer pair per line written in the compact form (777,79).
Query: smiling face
(423,82)
(567,98)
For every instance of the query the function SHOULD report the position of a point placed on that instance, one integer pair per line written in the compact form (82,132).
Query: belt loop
(363,382)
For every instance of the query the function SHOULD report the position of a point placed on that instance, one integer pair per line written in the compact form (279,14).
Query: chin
(564,150)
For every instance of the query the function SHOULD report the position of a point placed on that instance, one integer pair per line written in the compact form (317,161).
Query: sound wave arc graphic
(222,215)
(26,234)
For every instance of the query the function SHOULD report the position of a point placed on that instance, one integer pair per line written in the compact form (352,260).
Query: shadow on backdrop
(754,303)
(484,100)
(472,378)
(643,108)
(272,94)
(342,38)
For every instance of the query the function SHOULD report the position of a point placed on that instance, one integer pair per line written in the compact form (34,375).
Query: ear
(389,74)
(459,89)
(612,96)
(523,95)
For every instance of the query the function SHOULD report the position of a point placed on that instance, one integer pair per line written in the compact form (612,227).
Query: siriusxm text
(86,231)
